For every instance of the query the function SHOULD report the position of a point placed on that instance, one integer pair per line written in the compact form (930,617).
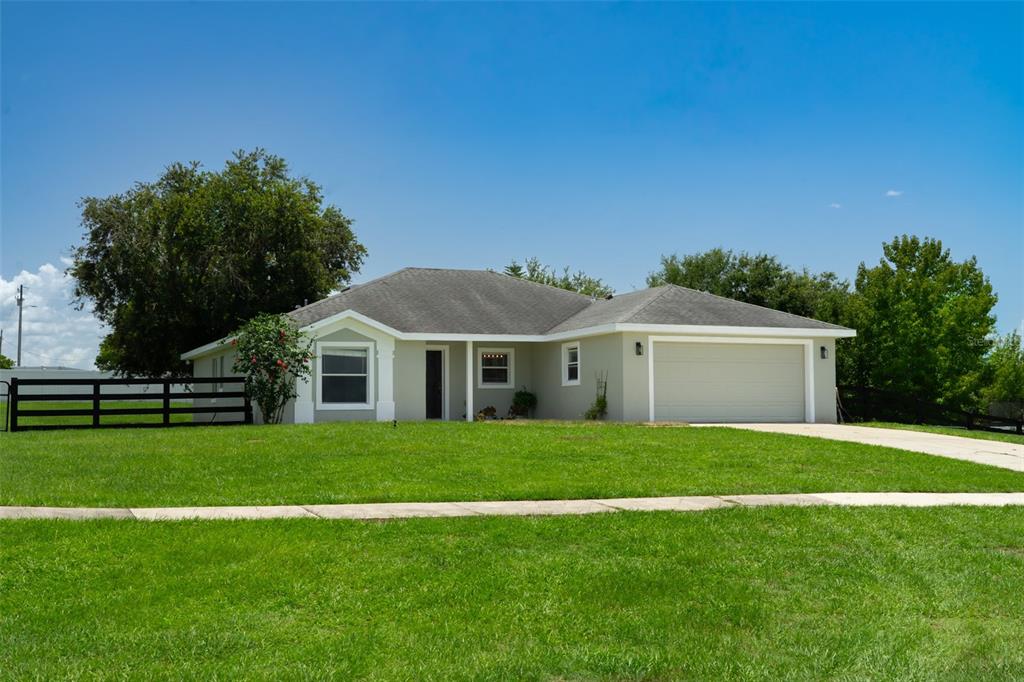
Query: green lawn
(371,462)
(105,405)
(951,431)
(782,593)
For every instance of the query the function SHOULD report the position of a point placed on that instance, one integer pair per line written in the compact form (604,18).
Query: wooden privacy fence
(18,398)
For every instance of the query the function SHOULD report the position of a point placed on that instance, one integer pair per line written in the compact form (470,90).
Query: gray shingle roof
(440,301)
(671,304)
(452,302)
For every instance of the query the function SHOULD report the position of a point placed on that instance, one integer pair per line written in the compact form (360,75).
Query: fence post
(96,404)
(12,405)
(248,406)
(167,402)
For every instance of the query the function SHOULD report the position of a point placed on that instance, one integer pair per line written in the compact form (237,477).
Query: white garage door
(728,382)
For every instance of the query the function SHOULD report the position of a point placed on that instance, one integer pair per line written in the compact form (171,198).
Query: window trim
(328,346)
(480,368)
(566,347)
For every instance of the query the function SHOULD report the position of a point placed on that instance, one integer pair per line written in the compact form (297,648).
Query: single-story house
(443,344)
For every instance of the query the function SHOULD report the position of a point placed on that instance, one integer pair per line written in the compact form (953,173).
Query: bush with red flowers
(273,355)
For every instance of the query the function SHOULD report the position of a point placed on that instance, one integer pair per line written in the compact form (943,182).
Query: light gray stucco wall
(824,381)
(635,397)
(597,354)
(203,368)
(345,415)
(410,380)
(501,398)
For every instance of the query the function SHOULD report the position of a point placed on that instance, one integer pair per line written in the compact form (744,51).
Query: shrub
(522,403)
(272,354)
(599,408)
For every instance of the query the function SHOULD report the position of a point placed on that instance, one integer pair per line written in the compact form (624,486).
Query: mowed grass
(34,406)
(779,593)
(373,462)
(950,431)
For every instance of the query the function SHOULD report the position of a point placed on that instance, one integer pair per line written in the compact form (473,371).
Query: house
(443,344)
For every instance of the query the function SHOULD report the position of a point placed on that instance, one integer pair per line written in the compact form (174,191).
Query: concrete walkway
(405,510)
(992,452)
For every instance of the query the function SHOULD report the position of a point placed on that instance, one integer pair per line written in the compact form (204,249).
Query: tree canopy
(580,282)
(760,279)
(173,264)
(924,322)
(1004,371)
(5,362)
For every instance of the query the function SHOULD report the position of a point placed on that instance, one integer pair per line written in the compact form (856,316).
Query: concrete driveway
(993,452)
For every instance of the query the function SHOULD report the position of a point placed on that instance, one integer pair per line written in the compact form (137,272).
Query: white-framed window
(571,363)
(218,371)
(496,367)
(345,375)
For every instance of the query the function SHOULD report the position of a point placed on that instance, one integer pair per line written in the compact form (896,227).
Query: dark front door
(435,384)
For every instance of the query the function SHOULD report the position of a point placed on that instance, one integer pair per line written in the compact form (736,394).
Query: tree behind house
(924,323)
(580,282)
(173,264)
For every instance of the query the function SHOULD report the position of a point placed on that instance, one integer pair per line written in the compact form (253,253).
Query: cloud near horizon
(894,193)
(835,205)
(54,332)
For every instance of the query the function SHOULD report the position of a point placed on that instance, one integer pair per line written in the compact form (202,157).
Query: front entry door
(435,384)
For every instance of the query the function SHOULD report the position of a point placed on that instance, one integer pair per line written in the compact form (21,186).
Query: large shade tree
(759,278)
(924,323)
(172,264)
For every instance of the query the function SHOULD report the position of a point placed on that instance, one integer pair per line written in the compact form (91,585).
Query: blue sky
(598,136)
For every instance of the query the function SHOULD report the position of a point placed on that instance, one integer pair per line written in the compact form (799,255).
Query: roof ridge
(652,299)
(754,305)
(604,301)
(350,287)
(539,284)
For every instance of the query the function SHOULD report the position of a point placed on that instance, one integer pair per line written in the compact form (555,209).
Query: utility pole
(21,306)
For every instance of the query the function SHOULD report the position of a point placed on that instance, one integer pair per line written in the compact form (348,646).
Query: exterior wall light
(824,352)
(639,348)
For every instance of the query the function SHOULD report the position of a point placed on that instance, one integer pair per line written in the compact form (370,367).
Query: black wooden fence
(17,399)
(861,403)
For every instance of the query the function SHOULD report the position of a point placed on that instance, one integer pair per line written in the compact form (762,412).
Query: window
(346,376)
(218,371)
(496,367)
(571,363)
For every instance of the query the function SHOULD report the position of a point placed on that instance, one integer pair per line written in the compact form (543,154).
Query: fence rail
(862,403)
(17,398)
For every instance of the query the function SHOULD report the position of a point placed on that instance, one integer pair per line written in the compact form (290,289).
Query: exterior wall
(204,367)
(537,366)
(635,396)
(597,354)
(410,380)
(499,398)
(332,415)
(62,374)
(824,381)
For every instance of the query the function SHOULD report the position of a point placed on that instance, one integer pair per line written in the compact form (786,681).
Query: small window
(571,364)
(495,368)
(218,372)
(344,376)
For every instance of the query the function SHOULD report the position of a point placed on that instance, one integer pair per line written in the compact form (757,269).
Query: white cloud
(894,193)
(835,205)
(53,331)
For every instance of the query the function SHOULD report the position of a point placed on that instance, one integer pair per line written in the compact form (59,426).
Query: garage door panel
(728,382)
